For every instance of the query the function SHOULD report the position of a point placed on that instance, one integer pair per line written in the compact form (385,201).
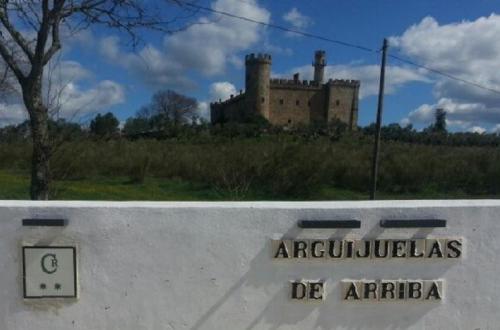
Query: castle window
(297,102)
(309,103)
(262,100)
(337,102)
(282,101)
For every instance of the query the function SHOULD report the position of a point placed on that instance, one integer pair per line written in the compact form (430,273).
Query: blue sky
(100,72)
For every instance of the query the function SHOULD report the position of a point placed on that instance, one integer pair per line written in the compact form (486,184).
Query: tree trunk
(39,121)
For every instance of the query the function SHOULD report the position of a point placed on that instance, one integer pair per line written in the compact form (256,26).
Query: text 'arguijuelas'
(360,249)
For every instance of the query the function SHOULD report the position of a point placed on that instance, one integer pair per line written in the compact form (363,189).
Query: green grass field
(16,186)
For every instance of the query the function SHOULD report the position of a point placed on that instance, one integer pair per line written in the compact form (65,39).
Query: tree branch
(16,35)
(55,18)
(41,41)
(9,59)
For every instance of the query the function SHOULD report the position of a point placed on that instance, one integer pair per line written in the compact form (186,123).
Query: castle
(289,102)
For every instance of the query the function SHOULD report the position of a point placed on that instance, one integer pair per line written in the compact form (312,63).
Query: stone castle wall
(233,109)
(342,102)
(258,73)
(292,106)
(290,101)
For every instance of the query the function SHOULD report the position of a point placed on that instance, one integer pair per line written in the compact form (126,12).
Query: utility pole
(378,125)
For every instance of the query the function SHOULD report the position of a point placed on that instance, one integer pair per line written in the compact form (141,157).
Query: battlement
(344,82)
(312,83)
(231,99)
(291,83)
(258,58)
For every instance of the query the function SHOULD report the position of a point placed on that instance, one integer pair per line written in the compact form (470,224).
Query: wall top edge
(257,205)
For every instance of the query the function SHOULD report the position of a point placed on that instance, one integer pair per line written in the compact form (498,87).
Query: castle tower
(257,79)
(319,65)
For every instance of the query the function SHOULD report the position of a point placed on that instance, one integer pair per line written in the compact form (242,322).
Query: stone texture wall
(299,104)
(295,104)
(257,80)
(233,109)
(292,106)
(342,103)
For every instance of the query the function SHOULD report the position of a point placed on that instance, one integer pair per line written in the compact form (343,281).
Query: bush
(280,165)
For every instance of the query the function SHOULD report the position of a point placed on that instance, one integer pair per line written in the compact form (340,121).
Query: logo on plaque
(49,272)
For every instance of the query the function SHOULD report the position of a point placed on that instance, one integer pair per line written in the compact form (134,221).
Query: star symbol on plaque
(57,286)
(43,286)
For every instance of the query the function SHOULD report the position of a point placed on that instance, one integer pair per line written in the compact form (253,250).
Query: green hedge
(276,165)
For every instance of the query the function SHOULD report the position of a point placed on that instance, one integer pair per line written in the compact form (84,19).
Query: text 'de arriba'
(392,290)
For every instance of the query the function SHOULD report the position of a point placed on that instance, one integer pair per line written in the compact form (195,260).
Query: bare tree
(172,106)
(30,36)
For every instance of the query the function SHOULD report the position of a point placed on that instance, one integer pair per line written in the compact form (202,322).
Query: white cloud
(203,110)
(458,114)
(11,114)
(269,47)
(149,64)
(468,50)
(477,129)
(65,95)
(82,40)
(496,129)
(60,73)
(424,114)
(369,75)
(221,90)
(77,102)
(404,122)
(296,19)
(207,47)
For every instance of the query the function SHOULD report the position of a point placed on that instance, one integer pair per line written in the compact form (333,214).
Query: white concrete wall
(209,266)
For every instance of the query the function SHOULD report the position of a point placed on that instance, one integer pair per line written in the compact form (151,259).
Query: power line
(465,81)
(282,28)
(339,42)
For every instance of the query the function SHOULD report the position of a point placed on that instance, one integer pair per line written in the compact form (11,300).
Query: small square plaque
(49,272)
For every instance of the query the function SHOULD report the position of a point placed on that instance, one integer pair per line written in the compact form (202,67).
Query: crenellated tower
(319,66)
(289,102)
(257,84)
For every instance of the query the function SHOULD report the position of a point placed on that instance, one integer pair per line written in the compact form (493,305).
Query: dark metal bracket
(413,223)
(45,222)
(322,224)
